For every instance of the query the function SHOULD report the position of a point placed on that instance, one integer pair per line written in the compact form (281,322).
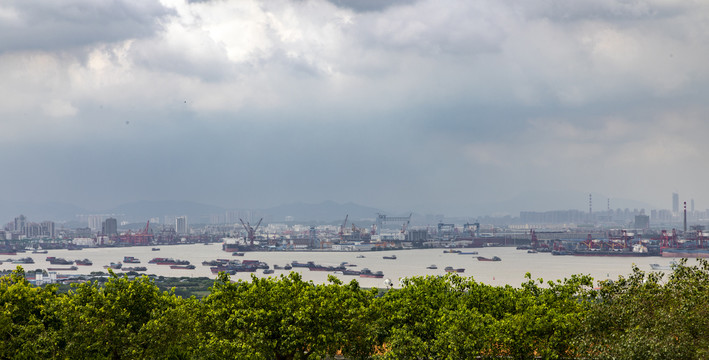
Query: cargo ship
(62,268)
(366,273)
(130,260)
(686,252)
(168,261)
(182,267)
(494,258)
(135,268)
(59,261)
(84,262)
(27,260)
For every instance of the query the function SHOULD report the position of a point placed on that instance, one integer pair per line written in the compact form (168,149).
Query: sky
(433,106)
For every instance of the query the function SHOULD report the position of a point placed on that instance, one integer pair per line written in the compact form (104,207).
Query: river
(509,271)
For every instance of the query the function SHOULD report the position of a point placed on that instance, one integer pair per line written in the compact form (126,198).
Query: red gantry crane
(251,232)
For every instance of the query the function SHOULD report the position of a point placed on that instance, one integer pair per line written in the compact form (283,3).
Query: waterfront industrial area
(677,233)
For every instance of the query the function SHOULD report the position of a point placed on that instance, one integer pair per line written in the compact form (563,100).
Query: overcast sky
(439,106)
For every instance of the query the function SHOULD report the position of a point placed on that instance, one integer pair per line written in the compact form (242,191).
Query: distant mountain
(327,211)
(38,212)
(142,210)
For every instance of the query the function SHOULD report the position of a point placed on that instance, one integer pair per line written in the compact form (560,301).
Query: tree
(28,318)
(642,317)
(111,321)
(284,318)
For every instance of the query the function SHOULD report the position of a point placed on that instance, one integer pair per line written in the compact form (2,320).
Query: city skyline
(453,107)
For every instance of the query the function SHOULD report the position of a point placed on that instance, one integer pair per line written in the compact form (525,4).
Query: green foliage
(285,318)
(28,318)
(457,318)
(641,316)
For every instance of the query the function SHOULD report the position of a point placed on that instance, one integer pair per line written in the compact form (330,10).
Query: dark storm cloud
(370,5)
(58,25)
(608,10)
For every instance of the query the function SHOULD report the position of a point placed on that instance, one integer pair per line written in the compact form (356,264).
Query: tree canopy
(639,316)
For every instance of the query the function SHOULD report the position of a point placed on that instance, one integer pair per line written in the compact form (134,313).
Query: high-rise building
(48,229)
(181,225)
(675,203)
(19,226)
(109,227)
(642,222)
(95,222)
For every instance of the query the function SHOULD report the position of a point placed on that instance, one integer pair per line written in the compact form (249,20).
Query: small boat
(113,265)
(467,252)
(268,271)
(531,251)
(156,249)
(237,254)
(360,256)
(494,258)
(390,257)
(451,251)
(432,267)
(40,252)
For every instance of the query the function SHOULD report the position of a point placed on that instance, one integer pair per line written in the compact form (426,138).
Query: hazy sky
(430,105)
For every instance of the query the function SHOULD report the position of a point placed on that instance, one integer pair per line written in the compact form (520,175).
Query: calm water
(509,271)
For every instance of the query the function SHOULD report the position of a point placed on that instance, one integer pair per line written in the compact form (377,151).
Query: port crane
(250,231)
(342,228)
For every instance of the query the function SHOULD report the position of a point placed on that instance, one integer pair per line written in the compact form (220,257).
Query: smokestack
(685,216)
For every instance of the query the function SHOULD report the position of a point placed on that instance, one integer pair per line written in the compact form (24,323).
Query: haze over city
(435,106)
